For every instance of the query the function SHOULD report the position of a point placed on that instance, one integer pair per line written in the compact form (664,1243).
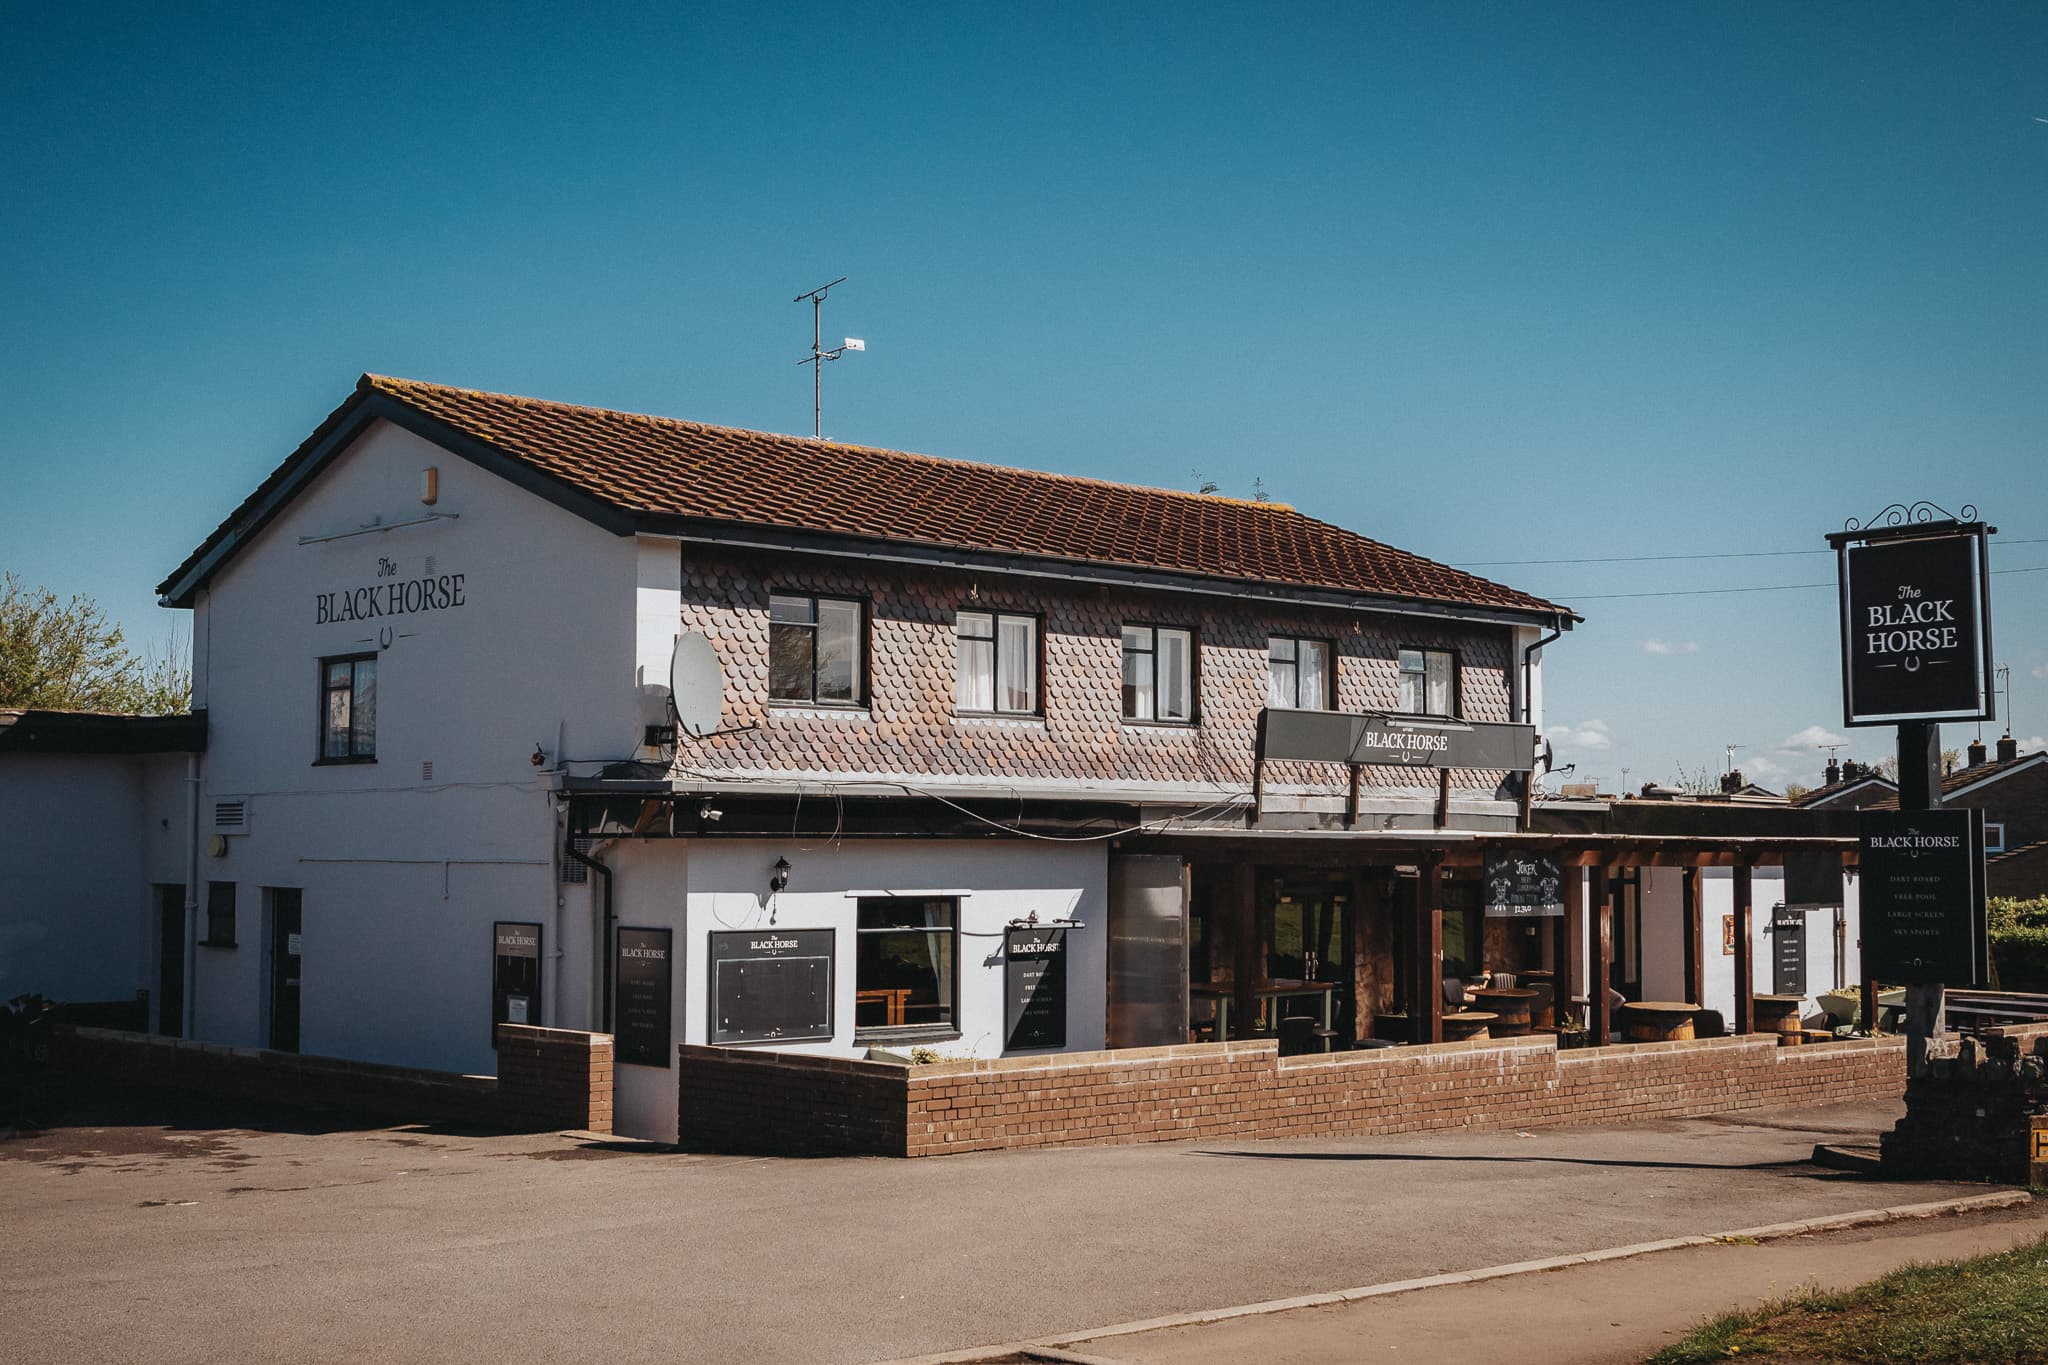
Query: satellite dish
(696,685)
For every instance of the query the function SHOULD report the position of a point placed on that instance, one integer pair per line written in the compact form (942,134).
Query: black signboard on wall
(515,973)
(1813,881)
(1034,988)
(1396,740)
(1788,951)
(646,983)
(771,985)
(1916,627)
(1922,896)
(1522,885)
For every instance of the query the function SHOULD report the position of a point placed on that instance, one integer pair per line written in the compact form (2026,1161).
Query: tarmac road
(152,1243)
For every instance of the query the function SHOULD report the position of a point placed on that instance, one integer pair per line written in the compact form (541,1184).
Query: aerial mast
(819,355)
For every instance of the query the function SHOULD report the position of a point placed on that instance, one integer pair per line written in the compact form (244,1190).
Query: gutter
(605,1012)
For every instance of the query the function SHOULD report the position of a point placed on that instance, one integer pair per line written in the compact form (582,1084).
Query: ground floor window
(905,951)
(220,915)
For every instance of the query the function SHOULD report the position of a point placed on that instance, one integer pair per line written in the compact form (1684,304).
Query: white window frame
(997,630)
(1139,699)
(1283,654)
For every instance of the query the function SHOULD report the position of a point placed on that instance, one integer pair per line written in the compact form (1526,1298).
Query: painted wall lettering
(401,597)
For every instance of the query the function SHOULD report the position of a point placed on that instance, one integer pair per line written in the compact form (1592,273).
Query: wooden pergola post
(1745,967)
(1600,1021)
(1246,969)
(1428,938)
(1571,939)
(1689,899)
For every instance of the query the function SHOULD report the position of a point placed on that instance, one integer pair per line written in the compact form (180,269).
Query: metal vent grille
(573,872)
(426,770)
(231,817)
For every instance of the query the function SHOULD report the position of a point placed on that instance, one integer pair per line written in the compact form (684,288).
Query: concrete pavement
(164,1243)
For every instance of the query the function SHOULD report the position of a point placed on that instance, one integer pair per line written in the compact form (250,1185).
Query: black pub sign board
(1520,885)
(1034,988)
(1395,740)
(515,973)
(1788,951)
(1923,896)
(646,982)
(1916,628)
(771,985)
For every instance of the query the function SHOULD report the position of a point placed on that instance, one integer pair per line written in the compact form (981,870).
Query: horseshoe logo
(1912,662)
(384,638)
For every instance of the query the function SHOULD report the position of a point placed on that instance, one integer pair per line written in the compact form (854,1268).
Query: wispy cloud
(2040,670)
(1587,736)
(2033,744)
(1654,646)
(1812,737)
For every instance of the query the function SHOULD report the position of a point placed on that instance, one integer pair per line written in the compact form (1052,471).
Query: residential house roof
(660,474)
(1964,779)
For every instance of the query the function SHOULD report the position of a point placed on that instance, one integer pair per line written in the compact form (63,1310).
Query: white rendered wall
(1663,927)
(404,873)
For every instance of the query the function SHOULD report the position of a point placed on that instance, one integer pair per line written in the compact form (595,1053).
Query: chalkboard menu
(1923,896)
(771,985)
(1522,885)
(515,973)
(1035,988)
(646,982)
(1788,951)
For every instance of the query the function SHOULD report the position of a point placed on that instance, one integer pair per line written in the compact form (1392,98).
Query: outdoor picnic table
(1322,992)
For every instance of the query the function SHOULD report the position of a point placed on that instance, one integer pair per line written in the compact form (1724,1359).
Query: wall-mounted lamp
(780,877)
(430,485)
(540,757)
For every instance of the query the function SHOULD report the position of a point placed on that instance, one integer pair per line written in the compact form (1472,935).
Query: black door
(170,960)
(284,969)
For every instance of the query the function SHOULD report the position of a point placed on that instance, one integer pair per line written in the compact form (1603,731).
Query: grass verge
(1992,1309)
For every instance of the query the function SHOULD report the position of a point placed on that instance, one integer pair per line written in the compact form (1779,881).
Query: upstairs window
(998,668)
(1429,682)
(1159,674)
(348,709)
(1299,676)
(815,649)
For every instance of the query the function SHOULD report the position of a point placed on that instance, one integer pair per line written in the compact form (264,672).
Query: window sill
(1021,720)
(908,1033)
(808,710)
(1129,723)
(215,943)
(343,762)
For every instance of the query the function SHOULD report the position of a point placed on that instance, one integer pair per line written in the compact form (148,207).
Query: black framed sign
(1395,740)
(1523,885)
(1922,896)
(645,984)
(1916,626)
(1788,951)
(772,985)
(1813,881)
(515,973)
(1034,988)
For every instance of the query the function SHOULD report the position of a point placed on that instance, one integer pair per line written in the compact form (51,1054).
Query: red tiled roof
(660,467)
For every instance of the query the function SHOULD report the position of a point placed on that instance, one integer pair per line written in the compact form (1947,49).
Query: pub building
(519,711)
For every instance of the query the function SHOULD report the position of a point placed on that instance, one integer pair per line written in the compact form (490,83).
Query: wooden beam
(1246,969)
(1745,964)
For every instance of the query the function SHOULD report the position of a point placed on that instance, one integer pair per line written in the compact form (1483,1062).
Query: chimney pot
(2008,748)
(1976,754)
(1834,771)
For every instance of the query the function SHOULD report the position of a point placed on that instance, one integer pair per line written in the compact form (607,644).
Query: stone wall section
(1972,1115)
(911,727)
(736,1100)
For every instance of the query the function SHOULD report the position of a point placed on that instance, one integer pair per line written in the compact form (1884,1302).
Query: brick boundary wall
(754,1101)
(548,1078)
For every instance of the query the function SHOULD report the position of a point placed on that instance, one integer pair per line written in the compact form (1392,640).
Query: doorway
(284,967)
(170,960)
(1310,939)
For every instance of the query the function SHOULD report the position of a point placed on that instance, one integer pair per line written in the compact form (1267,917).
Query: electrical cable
(1647,559)
(1716,592)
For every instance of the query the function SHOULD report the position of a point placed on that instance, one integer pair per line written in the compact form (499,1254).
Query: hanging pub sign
(1916,620)
(646,984)
(771,985)
(1813,881)
(515,973)
(1523,885)
(1922,896)
(1034,987)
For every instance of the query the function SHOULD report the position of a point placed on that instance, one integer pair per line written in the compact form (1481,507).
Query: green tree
(67,656)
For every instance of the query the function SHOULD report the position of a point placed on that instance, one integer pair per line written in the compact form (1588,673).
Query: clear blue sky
(1510,282)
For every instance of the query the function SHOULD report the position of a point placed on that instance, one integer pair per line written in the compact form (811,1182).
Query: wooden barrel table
(1511,1003)
(1543,1009)
(1466,1025)
(1779,1014)
(1657,1021)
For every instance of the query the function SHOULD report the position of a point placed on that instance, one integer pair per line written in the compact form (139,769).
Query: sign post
(1916,650)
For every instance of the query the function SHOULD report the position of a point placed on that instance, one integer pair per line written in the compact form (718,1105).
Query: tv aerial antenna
(1731,750)
(819,355)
